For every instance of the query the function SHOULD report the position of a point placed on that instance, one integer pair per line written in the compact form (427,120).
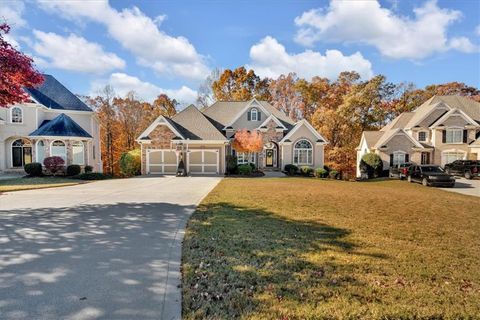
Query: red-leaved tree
(16,72)
(53,164)
(247,141)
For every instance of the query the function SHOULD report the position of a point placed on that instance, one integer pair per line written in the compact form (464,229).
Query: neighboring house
(202,138)
(54,122)
(440,131)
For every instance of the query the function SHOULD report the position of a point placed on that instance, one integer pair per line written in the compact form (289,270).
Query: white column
(3,156)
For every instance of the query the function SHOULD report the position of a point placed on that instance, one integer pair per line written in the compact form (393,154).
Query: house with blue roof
(55,122)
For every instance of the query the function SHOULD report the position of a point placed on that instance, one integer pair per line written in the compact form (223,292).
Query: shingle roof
(372,137)
(192,124)
(52,94)
(399,122)
(60,126)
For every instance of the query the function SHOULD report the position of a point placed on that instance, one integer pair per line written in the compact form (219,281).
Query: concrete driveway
(464,186)
(104,250)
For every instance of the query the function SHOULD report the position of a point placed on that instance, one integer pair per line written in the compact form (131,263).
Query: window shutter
(444,136)
(407,157)
(391,159)
(259,116)
(465,136)
(249,115)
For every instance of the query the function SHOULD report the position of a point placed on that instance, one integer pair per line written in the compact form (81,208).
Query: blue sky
(171,46)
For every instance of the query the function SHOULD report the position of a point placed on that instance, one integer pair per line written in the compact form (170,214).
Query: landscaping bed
(28,183)
(323,249)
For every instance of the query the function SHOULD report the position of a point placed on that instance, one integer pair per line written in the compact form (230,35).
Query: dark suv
(466,168)
(430,175)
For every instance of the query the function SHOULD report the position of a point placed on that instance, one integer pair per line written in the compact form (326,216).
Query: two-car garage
(198,161)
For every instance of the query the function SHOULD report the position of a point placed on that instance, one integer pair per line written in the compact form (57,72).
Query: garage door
(161,162)
(203,161)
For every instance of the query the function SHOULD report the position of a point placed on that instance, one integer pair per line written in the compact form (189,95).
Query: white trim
(60,138)
(248,105)
(65,145)
(251,114)
(309,127)
(396,132)
(83,152)
(450,114)
(434,107)
(303,149)
(36,151)
(161,120)
(427,135)
(442,157)
(162,164)
(11,151)
(200,141)
(21,114)
(275,119)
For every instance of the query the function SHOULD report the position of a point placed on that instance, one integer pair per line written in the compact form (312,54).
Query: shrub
(333,174)
(130,163)
(231,164)
(372,164)
(245,169)
(252,165)
(306,171)
(73,170)
(53,164)
(291,169)
(321,173)
(33,169)
(92,176)
(88,169)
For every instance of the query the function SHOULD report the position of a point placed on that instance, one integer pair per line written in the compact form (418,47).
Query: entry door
(269,157)
(425,157)
(21,156)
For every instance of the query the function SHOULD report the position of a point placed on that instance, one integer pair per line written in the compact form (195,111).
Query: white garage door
(203,161)
(161,162)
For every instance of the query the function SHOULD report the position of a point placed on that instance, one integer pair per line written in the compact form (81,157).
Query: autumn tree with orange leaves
(247,141)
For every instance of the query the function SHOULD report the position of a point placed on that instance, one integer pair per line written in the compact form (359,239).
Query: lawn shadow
(237,260)
(90,261)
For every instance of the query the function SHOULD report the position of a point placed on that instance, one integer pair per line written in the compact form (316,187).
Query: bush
(306,171)
(130,163)
(53,164)
(245,169)
(33,169)
(372,164)
(291,169)
(73,170)
(252,165)
(321,173)
(333,174)
(232,167)
(92,176)
(88,169)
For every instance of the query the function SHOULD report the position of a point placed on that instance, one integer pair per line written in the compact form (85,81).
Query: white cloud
(139,34)
(74,53)
(11,13)
(124,83)
(270,59)
(477,30)
(366,22)
(462,44)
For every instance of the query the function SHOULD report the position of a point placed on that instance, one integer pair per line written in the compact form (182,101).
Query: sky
(170,47)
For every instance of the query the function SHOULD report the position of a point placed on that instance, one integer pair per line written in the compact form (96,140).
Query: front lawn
(16,184)
(294,248)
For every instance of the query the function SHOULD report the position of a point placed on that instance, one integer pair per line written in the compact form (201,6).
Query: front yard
(16,184)
(294,248)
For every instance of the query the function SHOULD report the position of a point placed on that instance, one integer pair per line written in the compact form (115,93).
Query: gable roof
(52,94)
(161,120)
(274,119)
(305,123)
(387,136)
(60,126)
(453,112)
(399,122)
(372,137)
(195,126)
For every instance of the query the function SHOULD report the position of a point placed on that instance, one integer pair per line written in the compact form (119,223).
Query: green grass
(17,184)
(308,249)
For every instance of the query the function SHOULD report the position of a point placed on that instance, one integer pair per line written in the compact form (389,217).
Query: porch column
(3,155)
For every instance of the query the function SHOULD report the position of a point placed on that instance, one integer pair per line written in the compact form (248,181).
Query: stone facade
(161,138)
(270,134)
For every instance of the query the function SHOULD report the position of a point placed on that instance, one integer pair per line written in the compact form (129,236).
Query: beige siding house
(53,122)
(440,131)
(202,139)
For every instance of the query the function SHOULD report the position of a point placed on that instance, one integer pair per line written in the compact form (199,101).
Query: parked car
(465,168)
(430,175)
(400,170)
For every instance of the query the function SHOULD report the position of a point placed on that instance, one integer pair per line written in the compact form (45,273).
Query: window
(246,157)
(16,115)
(449,157)
(399,158)
(21,153)
(254,114)
(58,149)
(422,136)
(78,153)
(303,152)
(40,150)
(454,136)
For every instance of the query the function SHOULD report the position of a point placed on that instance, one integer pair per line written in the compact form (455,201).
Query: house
(443,129)
(202,138)
(54,122)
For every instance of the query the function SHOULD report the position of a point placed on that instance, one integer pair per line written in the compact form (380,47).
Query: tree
(285,97)
(247,141)
(205,96)
(164,106)
(241,85)
(53,164)
(17,71)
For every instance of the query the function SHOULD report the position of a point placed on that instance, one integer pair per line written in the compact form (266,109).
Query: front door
(425,158)
(269,157)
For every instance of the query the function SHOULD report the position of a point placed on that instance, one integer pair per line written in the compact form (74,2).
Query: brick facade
(270,134)
(161,138)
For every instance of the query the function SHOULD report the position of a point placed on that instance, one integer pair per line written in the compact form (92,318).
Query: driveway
(104,250)
(468,187)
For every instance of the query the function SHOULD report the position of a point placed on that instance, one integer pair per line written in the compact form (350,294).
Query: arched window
(303,152)
(254,114)
(57,148)
(40,151)
(78,153)
(21,153)
(16,115)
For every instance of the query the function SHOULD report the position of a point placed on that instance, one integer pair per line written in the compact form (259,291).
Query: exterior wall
(441,147)
(455,121)
(398,143)
(270,135)
(243,123)
(161,138)
(303,133)
(432,117)
(474,151)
